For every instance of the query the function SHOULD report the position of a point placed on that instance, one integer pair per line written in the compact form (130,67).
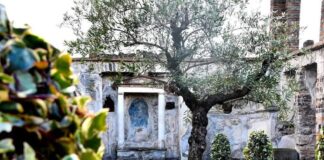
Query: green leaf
(41,107)
(20,31)
(81,101)
(101,150)
(5,78)
(26,82)
(20,58)
(99,121)
(33,41)
(63,81)
(11,107)
(93,125)
(6,145)
(29,153)
(63,64)
(93,143)
(67,144)
(89,155)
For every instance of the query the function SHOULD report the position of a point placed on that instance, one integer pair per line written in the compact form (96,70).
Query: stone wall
(305,120)
(309,99)
(236,126)
(308,107)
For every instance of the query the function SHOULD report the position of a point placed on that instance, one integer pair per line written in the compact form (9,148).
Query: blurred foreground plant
(319,150)
(39,116)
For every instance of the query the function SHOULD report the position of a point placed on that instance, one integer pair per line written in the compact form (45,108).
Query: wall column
(120,122)
(319,94)
(305,116)
(278,7)
(161,119)
(292,10)
(293,18)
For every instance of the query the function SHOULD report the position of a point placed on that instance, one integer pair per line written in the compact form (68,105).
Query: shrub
(259,147)
(221,149)
(39,116)
(319,151)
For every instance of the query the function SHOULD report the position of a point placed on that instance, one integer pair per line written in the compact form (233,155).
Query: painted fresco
(139,129)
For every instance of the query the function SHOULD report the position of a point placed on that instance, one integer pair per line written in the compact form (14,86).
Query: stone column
(305,118)
(120,122)
(161,119)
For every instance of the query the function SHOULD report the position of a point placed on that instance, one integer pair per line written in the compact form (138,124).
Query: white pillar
(120,123)
(161,121)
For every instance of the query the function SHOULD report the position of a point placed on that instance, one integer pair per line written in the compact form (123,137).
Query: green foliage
(220,149)
(319,151)
(259,147)
(39,117)
(228,54)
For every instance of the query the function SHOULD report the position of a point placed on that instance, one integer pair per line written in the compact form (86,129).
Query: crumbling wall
(305,120)
(236,126)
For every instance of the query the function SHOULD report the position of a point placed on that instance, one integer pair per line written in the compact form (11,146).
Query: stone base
(141,154)
(285,154)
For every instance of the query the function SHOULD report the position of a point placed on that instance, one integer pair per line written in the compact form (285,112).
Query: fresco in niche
(138,113)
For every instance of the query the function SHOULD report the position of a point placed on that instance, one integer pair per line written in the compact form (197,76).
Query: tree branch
(220,98)
(136,42)
(199,64)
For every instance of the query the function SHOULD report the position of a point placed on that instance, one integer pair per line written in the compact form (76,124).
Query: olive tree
(216,51)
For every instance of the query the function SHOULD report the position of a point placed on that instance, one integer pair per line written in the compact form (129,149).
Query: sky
(44,16)
(310,19)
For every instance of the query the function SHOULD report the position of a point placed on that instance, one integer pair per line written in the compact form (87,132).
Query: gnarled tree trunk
(197,139)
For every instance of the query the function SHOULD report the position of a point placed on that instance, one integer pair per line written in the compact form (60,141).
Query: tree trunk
(197,139)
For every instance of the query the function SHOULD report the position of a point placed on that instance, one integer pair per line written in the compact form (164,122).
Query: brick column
(293,17)
(322,22)
(278,7)
(291,8)
(305,118)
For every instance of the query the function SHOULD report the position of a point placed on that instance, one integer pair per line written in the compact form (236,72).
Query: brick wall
(291,8)
(278,6)
(293,17)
